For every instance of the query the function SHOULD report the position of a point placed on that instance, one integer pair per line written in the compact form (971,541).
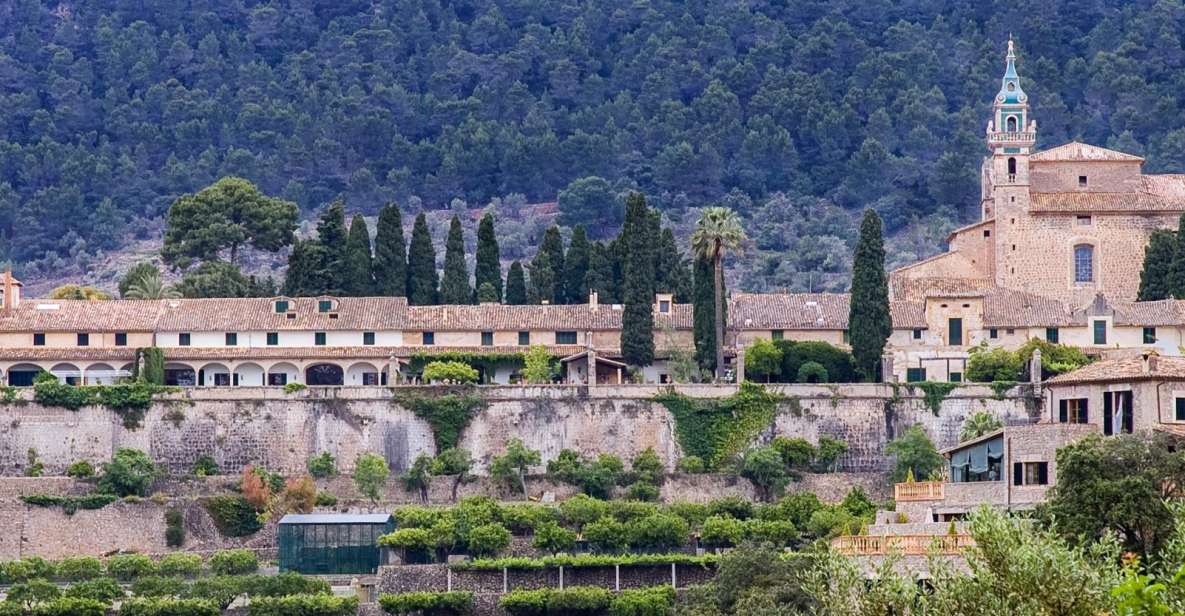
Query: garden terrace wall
(241,426)
(409,578)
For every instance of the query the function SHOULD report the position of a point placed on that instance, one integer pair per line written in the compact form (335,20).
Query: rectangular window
(664,306)
(565,337)
(1117,412)
(222,379)
(1180,408)
(847,337)
(367,338)
(1084,263)
(183,339)
(281,305)
(232,339)
(121,339)
(1030,473)
(324,305)
(915,375)
(1073,410)
(487,339)
(1051,334)
(319,338)
(955,332)
(917,334)
(956,377)
(524,338)
(777,334)
(429,338)
(370,378)
(993,333)
(1082,181)
(1100,332)
(273,338)
(1084,221)
(39,339)
(277,379)
(1149,335)
(84,339)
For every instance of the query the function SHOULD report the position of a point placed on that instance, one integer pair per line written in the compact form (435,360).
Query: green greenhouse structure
(331,543)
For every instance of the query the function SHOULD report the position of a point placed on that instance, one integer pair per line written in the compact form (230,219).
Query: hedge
(589,601)
(584,560)
(168,607)
(66,606)
(303,605)
(428,603)
(234,562)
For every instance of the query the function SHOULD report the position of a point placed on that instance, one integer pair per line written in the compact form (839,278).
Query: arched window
(1011,123)
(1084,263)
(1011,166)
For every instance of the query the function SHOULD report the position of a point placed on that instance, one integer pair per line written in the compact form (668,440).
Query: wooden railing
(909,545)
(918,491)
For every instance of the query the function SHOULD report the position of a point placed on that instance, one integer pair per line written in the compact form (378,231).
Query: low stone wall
(438,578)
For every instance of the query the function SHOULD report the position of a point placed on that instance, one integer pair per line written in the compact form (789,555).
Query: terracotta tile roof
(1125,369)
(497,317)
(908,315)
(343,352)
(259,314)
(1077,151)
(64,315)
(1168,186)
(1104,202)
(963,229)
(68,354)
(1006,308)
(918,289)
(1149,314)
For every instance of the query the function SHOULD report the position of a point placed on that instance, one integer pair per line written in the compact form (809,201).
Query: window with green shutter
(1100,332)
(524,338)
(1051,335)
(324,305)
(368,338)
(1149,335)
(273,338)
(319,338)
(281,305)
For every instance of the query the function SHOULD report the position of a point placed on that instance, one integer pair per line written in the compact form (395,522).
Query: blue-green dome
(1010,92)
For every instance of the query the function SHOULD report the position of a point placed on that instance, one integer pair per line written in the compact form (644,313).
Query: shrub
(65,606)
(693,513)
(630,510)
(220,590)
(835,361)
(34,567)
(722,531)
(643,491)
(412,539)
(553,538)
(525,602)
(988,364)
(578,601)
(797,508)
(828,453)
(255,487)
(778,532)
(831,521)
(370,475)
(582,509)
(691,464)
(795,452)
(205,466)
(512,467)
(104,590)
(1055,358)
(538,366)
(283,585)
(233,515)
(734,506)
(428,603)
(523,518)
(857,502)
(322,465)
(31,593)
(763,360)
(412,516)
(81,470)
(130,566)
(156,586)
(303,605)
(174,528)
(299,496)
(659,532)
(595,478)
(449,372)
(654,601)
(647,467)
(292,388)
(325,499)
(71,504)
(488,539)
(188,565)
(79,568)
(130,472)
(812,372)
(765,468)
(606,535)
(915,453)
(168,607)
(234,562)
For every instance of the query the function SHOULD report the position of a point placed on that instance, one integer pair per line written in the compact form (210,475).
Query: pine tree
(357,279)
(331,234)
(576,264)
(543,282)
(454,286)
(553,247)
(488,269)
(1159,260)
(486,294)
(390,254)
(637,319)
(516,285)
(421,266)
(869,322)
(704,314)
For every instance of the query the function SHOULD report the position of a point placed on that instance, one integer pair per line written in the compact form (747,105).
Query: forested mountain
(796,113)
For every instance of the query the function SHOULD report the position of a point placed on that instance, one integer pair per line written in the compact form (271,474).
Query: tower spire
(1011,126)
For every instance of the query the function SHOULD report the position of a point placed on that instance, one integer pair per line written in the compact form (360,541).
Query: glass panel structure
(321,544)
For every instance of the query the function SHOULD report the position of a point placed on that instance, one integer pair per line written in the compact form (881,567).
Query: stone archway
(324,375)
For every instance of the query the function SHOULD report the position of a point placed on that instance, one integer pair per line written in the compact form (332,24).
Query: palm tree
(979,424)
(150,285)
(718,231)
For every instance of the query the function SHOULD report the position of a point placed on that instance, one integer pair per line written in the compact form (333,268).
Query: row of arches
(211,374)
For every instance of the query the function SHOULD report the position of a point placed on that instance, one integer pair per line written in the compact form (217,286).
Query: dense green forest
(797,114)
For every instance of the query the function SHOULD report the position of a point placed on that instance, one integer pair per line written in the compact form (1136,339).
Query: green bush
(658,532)
(34,567)
(578,601)
(778,532)
(325,499)
(156,606)
(174,528)
(81,470)
(584,560)
(734,506)
(835,361)
(157,586)
(525,602)
(812,372)
(654,601)
(70,504)
(283,585)
(722,531)
(413,539)
(765,468)
(691,464)
(233,515)
(186,565)
(988,364)
(582,509)
(205,466)
(524,517)
(303,605)
(128,567)
(322,465)
(630,510)
(413,516)
(828,454)
(1055,358)
(221,590)
(553,538)
(797,453)
(647,467)
(234,562)
(129,473)
(65,606)
(487,539)
(32,592)
(291,388)
(104,590)
(643,491)
(428,603)
(79,568)
(606,535)
(450,372)
(693,513)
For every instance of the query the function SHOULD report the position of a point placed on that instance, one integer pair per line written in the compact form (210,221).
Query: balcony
(919,491)
(1014,137)
(906,545)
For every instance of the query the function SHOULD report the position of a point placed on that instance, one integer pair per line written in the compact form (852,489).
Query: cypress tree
(516,285)
(637,319)
(1176,274)
(454,286)
(1159,259)
(421,266)
(869,322)
(390,253)
(486,294)
(703,310)
(600,271)
(488,268)
(357,279)
(331,234)
(553,247)
(305,275)
(576,264)
(543,282)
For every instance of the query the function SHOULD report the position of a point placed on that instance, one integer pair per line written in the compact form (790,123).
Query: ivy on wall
(934,393)
(719,428)
(128,400)
(448,414)
(485,362)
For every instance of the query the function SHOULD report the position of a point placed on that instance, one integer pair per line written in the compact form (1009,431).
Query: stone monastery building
(1056,255)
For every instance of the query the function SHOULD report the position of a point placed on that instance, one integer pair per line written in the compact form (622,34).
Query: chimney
(12,291)
(1149,361)
(593,300)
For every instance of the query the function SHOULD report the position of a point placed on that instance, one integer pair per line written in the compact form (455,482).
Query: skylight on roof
(48,306)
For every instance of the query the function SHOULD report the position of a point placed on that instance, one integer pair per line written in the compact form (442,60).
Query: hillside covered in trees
(796,114)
